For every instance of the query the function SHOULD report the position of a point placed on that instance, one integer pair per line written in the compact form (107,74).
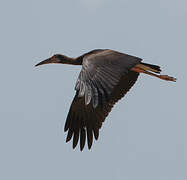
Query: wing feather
(102,82)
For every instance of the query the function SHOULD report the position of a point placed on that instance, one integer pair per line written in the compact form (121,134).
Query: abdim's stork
(106,76)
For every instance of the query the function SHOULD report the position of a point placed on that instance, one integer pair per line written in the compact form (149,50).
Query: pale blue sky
(143,138)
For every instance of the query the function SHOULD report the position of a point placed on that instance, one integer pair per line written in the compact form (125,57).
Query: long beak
(47,61)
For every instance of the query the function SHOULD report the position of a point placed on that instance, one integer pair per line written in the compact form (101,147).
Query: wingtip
(89,145)
(65,129)
(74,146)
(67,140)
(69,136)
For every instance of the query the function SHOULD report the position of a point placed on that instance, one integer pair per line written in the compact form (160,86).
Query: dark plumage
(106,76)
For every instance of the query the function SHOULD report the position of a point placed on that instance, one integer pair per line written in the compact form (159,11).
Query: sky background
(143,138)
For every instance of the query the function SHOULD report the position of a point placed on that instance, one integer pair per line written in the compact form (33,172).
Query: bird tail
(149,67)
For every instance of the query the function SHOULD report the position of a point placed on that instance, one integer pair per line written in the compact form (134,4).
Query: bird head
(57,58)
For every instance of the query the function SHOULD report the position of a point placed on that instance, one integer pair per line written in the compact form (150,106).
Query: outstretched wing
(104,79)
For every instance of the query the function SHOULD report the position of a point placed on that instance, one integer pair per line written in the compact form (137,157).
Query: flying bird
(105,78)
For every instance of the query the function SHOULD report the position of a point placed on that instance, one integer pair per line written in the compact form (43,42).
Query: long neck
(73,61)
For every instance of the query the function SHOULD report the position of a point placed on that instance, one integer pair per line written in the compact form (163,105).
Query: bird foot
(167,78)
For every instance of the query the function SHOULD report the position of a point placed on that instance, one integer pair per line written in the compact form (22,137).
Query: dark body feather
(104,79)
